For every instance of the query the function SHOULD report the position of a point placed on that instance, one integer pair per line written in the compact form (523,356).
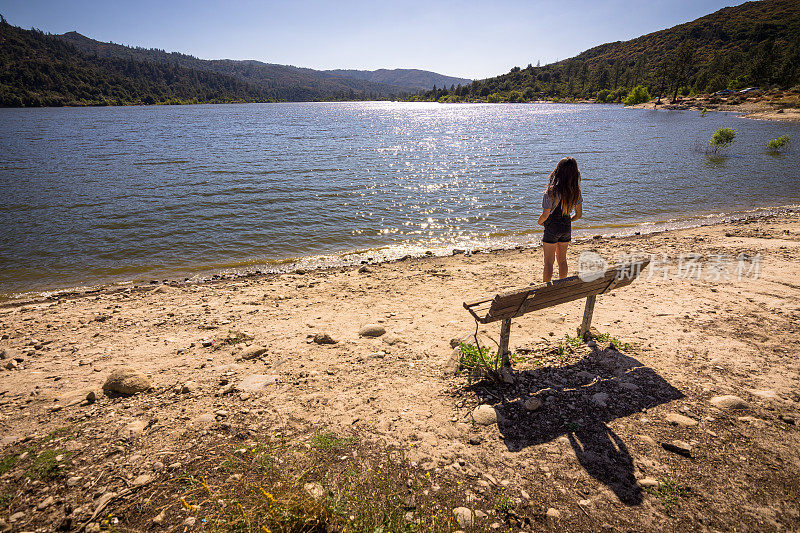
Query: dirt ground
(776,105)
(641,434)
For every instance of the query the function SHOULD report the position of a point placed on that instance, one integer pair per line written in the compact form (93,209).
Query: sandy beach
(698,390)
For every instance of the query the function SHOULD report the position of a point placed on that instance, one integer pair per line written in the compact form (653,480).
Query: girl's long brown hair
(565,184)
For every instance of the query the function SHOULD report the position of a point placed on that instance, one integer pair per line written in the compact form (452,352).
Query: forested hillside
(408,78)
(754,44)
(37,69)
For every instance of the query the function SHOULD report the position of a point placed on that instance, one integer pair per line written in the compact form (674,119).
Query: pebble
(134,428)
(553,513)
(475,440)
(16,517)
(533,403)
(324,338)
(126,381)
(315,490)
(648,482)
(646,439)
(255,382)
(159,518)
(189,386)
(464,516)
(484,415)
(252,353)
(190,521)
(371,330)
(681,420)
(47,502)
(144,479)
(600,399)
(789,419)
(678,446)
(729,402)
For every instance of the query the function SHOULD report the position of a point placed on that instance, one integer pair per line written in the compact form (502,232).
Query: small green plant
(638,95)
(475,357)
(668,492)
(5,500)
(327,441)
(778,145)
(575,342)
(504,504)
(723,138)
(606,337)
(703,112)
(572,426)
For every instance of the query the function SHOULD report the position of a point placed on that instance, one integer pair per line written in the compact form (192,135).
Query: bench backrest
(516,303)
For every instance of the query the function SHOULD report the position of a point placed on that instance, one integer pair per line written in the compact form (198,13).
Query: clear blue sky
(472,39)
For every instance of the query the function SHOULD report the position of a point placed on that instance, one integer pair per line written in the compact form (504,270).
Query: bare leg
(561,256)
(549,259)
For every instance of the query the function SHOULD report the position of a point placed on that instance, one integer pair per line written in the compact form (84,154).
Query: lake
(119,194)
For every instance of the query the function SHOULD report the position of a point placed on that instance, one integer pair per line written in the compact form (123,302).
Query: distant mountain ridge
(38,69)
(409,78)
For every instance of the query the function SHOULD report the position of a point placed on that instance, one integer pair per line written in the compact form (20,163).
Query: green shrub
(779,144)
(638,95)
(723,138)
(603,96)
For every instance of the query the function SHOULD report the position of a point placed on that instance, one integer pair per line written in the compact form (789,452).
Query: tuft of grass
(7,463)
(668,492)
(606,337)
(329,441)
(47,465)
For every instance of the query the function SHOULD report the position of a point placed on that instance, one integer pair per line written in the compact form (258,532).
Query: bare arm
(578,212)
(543,216)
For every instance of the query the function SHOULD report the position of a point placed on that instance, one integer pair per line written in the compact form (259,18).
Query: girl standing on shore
(563,195)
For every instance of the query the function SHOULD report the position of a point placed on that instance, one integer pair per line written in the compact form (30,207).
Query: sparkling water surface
(101,195)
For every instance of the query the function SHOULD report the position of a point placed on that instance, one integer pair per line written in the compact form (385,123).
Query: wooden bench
(516,303)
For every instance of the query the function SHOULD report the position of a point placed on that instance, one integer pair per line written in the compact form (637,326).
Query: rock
(600,399)
(391,340)
(126,381)
(789,419)
(681,420)
(188,387)
(556,319)
(78,397)
(133,429)
(646,439)
(206,418)
(729,402)
(533,403)
(484,415)
(16,517)
(585,376)
(507,375)
(464,516)
(102,501)
(453,364)
(93,527)
(553,513)
(73,480)
(256,382)
(144,479)
(190,521)
(47,502)
(159,518)
(91,397)
(315,490)
(323,338)
(648,483)
(371,330)
(5,527)
(678,446)
(765,394)
(252,353)
(364,269)
(475,440)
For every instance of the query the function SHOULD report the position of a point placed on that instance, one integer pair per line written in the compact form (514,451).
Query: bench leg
(587,316)
(505,332)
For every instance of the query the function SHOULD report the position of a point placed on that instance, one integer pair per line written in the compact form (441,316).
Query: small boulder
(600,398)
(126,381)
(371,330)
(729,402)
(324,338)
(484,415)
(133,429)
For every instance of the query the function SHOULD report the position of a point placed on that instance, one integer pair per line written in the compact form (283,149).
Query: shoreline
(698,387)
(329,262)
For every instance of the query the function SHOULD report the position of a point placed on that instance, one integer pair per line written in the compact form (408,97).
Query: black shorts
(554,233)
